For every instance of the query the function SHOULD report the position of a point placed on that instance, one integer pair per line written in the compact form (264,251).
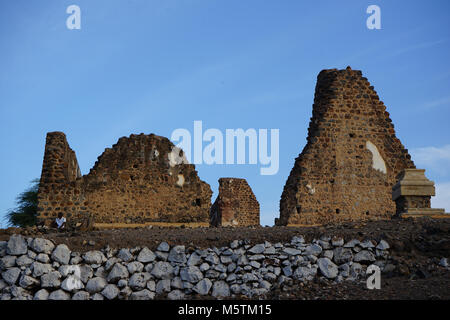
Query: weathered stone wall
(236,205)
(135,181)
(352,157)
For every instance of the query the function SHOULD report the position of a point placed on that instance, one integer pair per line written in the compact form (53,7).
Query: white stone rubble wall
(40,270)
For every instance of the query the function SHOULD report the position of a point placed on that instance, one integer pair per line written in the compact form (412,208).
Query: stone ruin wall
(135,181)
(236,205)
(352,157)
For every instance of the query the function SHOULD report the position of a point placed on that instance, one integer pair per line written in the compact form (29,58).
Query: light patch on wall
(377,159)
(154,154)
(176,157)
(311,190)
(180,181)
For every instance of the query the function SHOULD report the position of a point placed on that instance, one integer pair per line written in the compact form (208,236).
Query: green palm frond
(25,213)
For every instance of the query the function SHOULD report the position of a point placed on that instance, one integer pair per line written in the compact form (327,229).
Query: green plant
(25,214)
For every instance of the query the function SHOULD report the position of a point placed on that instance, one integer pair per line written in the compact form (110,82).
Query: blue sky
(155,66)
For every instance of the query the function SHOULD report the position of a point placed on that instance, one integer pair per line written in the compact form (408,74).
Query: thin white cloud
(437,103)
(414,47)
(436,158)
(442,198)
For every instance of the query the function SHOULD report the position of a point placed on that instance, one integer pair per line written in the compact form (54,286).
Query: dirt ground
(417,245)
(425,236)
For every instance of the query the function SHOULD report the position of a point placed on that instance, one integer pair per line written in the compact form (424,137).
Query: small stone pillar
(235,206)
(412,194)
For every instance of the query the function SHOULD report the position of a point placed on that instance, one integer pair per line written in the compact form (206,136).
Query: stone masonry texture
(238,271)
(352,157)
(135,181)
(236,205)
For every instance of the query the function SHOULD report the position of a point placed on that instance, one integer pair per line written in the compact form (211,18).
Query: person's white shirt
(59,222)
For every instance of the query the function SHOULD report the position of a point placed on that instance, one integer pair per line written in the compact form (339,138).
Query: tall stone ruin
(138,180)
(352,157)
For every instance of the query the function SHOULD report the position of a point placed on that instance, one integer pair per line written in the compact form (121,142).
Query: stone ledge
(156,224)
(425,212)
(413,183)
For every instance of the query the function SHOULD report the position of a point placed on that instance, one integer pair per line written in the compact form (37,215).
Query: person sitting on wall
(60,222)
